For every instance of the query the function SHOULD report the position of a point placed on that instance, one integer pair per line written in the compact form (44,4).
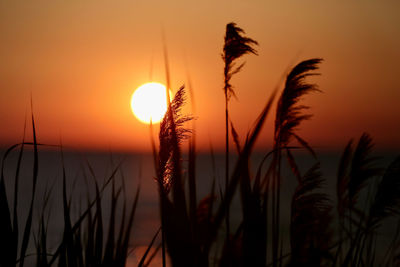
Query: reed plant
(313,238)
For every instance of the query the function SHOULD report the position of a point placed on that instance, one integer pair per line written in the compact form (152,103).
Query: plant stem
(227,162)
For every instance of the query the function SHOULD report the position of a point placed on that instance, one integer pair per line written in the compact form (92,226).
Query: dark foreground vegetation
(199,232)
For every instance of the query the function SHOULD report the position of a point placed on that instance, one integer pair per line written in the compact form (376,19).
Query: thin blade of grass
(121,232)
(16,183)
(293,164)
(305,144)
(109,250)
(43,226)
(89,249)
(6,231)
(124,249)
(142,260)
(28,224)
(192,183)
(98,244)
(152,255)
(235,138)
(68,234)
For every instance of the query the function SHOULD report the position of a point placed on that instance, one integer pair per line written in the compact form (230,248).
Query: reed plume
(289,113)
(235,46)
(168,145)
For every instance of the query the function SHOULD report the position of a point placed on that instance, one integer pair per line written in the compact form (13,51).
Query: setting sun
(149,102)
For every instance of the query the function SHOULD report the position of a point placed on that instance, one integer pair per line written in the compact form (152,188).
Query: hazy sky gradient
(82,60)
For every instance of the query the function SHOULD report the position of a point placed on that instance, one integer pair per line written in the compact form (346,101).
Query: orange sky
(82,60)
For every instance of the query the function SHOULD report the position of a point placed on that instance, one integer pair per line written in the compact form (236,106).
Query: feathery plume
(235,46)
(288,115)
(166,166)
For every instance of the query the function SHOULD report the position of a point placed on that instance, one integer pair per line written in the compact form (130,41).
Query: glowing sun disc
(149,102)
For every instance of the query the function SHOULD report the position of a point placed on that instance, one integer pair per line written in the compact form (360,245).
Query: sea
(136,170)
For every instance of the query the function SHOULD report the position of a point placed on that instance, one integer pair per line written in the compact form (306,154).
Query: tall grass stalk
(235,46)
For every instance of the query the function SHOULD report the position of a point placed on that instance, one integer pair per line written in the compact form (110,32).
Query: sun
(149,102)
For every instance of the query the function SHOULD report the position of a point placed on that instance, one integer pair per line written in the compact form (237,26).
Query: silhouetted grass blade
(142,260)
(28,224)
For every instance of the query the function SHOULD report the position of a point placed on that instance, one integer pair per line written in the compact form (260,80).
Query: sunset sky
(82,60)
